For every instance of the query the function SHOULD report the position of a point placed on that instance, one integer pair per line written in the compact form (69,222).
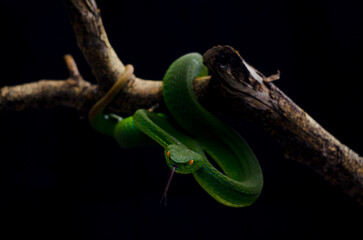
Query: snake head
(183,159)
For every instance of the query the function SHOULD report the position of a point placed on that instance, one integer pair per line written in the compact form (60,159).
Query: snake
(194,140)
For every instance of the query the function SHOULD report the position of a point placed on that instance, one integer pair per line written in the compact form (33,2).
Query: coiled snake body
(188,136)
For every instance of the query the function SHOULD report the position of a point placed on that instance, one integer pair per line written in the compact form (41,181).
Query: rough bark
(237,87)
(73,92)
(103,60)
(248,93)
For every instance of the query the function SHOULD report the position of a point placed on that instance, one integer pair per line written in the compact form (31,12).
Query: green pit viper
(187,133)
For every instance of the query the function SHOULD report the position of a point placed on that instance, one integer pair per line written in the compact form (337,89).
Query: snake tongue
(167,186)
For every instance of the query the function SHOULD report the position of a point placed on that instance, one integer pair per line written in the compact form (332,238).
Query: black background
(61,179)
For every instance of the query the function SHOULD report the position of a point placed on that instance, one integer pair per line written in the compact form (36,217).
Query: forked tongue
(167,186)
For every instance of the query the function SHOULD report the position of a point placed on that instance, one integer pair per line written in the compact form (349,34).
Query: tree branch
(236,88)
(73,92)
(93,41)
(104,62)
(245,92)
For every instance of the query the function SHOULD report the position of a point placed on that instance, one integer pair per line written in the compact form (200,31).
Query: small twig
(72,67)
(273,77)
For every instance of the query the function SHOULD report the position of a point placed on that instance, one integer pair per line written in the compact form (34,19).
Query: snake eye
(191,162)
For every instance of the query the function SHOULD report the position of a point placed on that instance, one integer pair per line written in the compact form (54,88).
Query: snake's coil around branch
(187,132)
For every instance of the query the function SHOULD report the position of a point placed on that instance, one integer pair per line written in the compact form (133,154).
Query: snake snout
(182,158)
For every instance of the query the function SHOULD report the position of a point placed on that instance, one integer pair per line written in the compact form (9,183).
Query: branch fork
(235,87)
